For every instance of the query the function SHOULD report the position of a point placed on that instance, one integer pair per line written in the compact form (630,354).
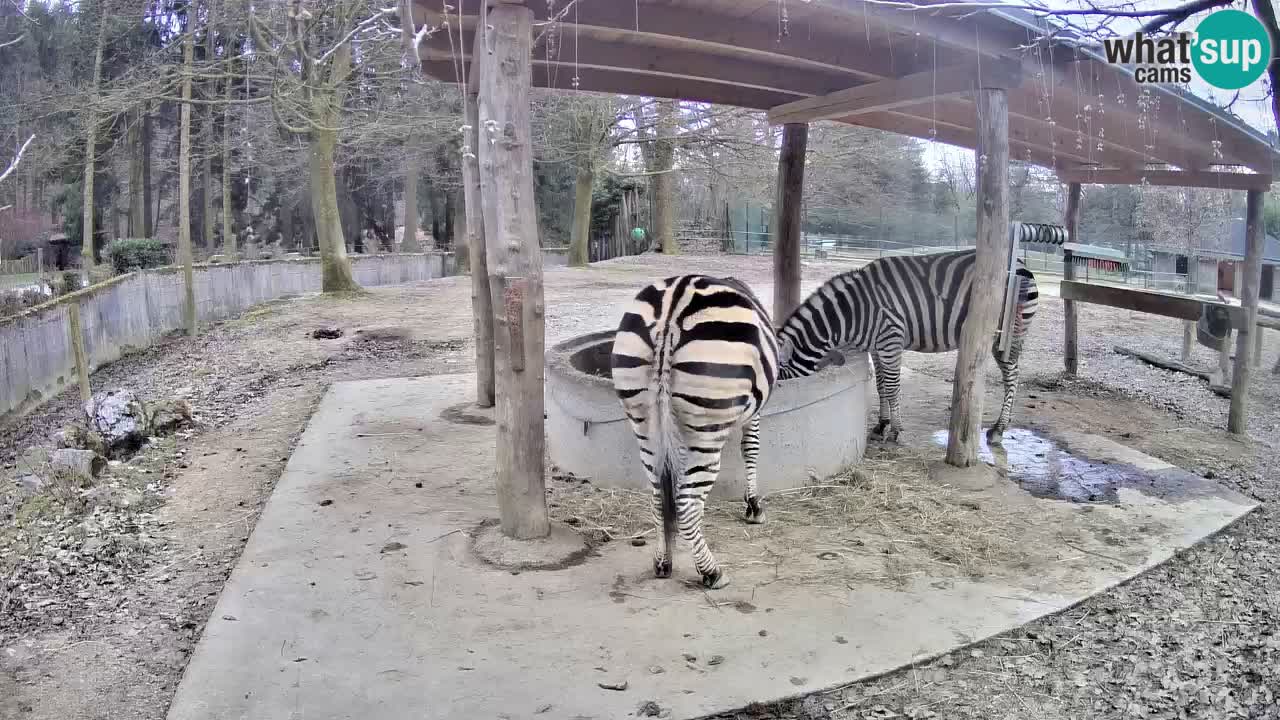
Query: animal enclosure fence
(133,311)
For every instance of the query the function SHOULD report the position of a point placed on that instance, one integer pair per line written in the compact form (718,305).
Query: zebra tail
(667,460)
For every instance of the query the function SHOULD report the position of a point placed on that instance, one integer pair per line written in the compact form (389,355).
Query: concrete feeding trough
(811,427)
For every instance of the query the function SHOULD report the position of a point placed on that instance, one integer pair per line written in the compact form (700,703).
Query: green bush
(131,254)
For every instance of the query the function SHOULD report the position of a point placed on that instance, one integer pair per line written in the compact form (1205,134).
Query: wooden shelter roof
(904,71)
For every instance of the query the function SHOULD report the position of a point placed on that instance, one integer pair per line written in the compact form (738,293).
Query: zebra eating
(694,358)
(896,304)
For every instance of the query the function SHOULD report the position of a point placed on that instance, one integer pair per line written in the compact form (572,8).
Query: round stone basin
(810,428)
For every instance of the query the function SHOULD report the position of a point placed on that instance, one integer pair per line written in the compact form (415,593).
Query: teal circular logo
(1232,49)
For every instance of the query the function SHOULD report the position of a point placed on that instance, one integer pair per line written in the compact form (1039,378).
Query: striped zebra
(892,305)
(694,358)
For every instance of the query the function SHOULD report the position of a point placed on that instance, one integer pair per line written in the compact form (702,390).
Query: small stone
(690,658)
(417,484)
(230,618)
(329,333)
(649,708)
(841,640)
(618,686)
(326,503)
(763,633)
(715,660)
(393,547)
(638,542)
(656,670)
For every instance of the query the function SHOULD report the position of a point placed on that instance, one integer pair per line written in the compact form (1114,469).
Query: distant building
(1220,270)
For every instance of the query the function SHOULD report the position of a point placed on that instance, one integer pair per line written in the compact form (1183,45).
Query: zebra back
(921,301)
(705,342)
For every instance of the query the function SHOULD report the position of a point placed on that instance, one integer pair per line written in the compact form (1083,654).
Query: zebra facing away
(694,358)
(895,304)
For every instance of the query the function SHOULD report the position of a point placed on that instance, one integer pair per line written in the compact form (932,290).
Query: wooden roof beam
(1187,131)
(589,51)
(897,92)
(622,82)
(960,136)
(706,31)
(1168,178)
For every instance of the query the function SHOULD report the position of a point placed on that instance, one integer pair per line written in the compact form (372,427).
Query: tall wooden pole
(515,266)
(786,242)
(481,300)
(76,332)
(1070,353)
(988,284)
(1236,420)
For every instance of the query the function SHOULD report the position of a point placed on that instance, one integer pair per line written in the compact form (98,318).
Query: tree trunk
(148,219)
(185,255)
(136,225)
(448,219)
(664,182)
(987,289)
(582,213)
(228,222)
(87,256)
(433,195)
(515,270)
(335,266)
(207,141)
(411,222)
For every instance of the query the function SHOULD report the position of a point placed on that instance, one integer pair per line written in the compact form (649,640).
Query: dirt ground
(100,611)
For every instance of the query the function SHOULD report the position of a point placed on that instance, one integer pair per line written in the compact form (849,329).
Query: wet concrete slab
(375,606)
(1085,468)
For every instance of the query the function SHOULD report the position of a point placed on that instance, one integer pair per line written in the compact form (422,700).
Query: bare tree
(91,141)
(184,185)
(314,61)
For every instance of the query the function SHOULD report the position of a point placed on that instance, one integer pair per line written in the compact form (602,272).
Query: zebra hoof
(890,436)
(662,567)
(879,431)
(715,580)
(755,511)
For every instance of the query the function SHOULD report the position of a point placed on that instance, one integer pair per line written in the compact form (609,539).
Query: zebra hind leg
(1009,371)
(690,507)
(750,451)
(661,555)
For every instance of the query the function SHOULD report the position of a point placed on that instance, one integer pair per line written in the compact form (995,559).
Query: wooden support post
(1257,349)
(988,276)
(1070,351)
(786,244)
(514,265)
(1254,235)
(481,299)
(76,333)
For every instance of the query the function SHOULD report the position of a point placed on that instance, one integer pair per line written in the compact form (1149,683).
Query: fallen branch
(1175,366)
(16,159)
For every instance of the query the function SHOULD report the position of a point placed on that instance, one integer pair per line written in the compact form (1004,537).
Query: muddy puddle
(1047,470)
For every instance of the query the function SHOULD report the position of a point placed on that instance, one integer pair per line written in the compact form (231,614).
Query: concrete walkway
(358,596)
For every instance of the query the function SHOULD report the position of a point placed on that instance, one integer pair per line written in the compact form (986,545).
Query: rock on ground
(120,417)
